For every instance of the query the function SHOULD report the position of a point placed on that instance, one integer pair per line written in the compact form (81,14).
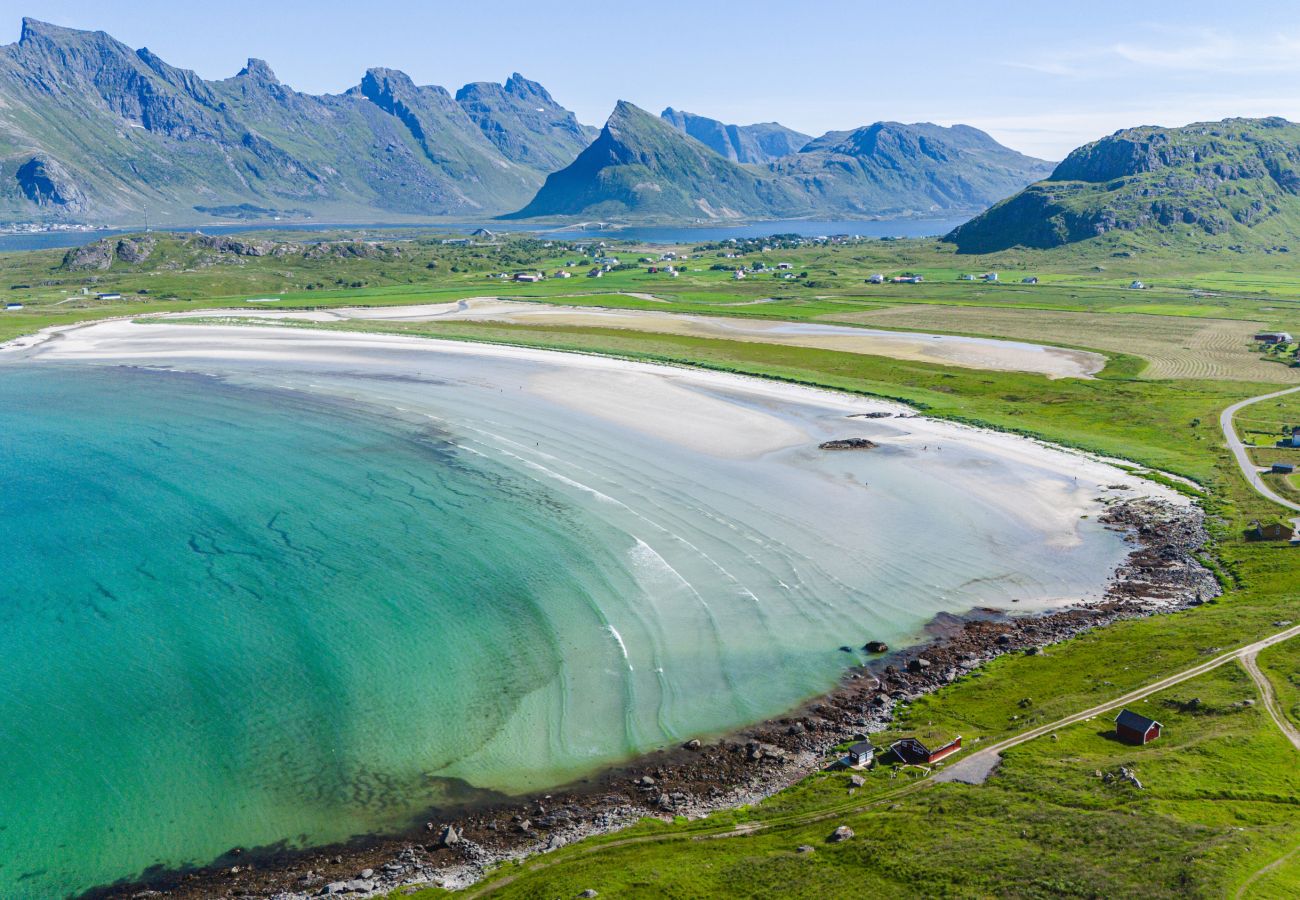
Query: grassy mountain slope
(889,167)
(760,143)
(91,129)
(642,165)
(1211,184)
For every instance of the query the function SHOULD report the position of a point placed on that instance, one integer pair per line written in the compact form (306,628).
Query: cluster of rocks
(697,778)
(853,443)
(100,255)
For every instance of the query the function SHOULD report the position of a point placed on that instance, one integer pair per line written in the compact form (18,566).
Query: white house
(1136,285)
(13,306)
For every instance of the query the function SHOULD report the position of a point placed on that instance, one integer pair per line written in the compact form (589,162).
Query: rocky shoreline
(1161,574)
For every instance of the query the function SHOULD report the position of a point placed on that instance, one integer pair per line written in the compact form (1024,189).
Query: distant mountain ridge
(90,128)
(1234,181)
(760,143)
(643,166)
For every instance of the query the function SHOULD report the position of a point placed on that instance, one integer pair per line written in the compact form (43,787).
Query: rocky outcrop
(46,183)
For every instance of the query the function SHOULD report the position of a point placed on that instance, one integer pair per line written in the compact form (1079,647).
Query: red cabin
(1134,728)
(913,752)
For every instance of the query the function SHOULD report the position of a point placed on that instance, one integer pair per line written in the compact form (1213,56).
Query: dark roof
(862,747)
(1129,719)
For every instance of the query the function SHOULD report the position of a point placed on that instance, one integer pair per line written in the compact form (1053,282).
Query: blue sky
(1042,77)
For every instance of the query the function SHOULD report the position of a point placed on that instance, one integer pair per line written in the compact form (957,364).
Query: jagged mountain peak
(258,70)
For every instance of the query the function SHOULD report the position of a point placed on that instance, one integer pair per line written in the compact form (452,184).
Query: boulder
(857,781)
(876,647)
(843,833)
(450,837)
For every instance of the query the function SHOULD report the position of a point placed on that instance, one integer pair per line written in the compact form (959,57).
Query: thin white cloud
(1173,50)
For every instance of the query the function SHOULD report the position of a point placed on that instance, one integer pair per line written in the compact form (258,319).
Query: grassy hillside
(1207,185)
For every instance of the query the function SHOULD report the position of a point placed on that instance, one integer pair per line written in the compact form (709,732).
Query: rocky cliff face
(761,143)
(1212,182)
(90,128)
(522,120)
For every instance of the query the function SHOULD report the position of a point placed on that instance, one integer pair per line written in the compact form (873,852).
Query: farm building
(596,273)
(1282,468)
(111,295)
(1292,439)
(989,276)
(528,277)
(1136,285)
(912,752)
(1032,279)
(966,277)
(1134,728)
(1274,337)
(861,755)
(13,306)
(876,279)
(560,273)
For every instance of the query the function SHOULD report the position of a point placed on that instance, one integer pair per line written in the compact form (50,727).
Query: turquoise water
(226,619)
(315,597)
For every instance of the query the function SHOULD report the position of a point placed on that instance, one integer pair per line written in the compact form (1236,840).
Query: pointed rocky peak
(521,87)
(258,70)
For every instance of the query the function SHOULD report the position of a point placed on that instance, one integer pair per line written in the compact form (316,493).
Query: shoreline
(456,848)
(741,766)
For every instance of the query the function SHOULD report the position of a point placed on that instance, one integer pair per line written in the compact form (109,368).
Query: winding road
(1251,665)
(1241,452)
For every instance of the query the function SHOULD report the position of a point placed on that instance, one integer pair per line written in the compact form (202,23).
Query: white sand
(719,414)
(967,352)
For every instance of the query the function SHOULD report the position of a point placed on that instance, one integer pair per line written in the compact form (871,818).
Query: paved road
(974,769)
(1251,665)
(1243,457)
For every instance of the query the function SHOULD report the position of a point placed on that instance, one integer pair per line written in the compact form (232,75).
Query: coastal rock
(855,443)
(450,837)
(589,893)
(692,744)
(876,647)
(843,833)
(920,664)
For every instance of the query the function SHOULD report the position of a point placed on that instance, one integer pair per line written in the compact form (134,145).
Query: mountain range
(91,129)
(651,167)
(1216,184)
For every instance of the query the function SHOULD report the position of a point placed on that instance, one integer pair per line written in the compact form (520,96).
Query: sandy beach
(967,352)
(740,546)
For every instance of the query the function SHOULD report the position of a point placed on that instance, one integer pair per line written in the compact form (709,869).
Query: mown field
(1218,813)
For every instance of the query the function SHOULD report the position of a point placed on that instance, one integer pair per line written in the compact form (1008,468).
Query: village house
(989,276)
(1273,531)
(908,279)
(457,242)
(560,273)
(111,295)
(1292,439)
(738,275)
(529,277)
(965,276)
(596,273)
(876,279)
(1274,337)
(1136,285)
(1134,728)
(13,306)
(912,752)
(1032,279)
(860,755)
(784,266)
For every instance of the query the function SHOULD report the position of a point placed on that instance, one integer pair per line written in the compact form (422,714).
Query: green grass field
(1219,812)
